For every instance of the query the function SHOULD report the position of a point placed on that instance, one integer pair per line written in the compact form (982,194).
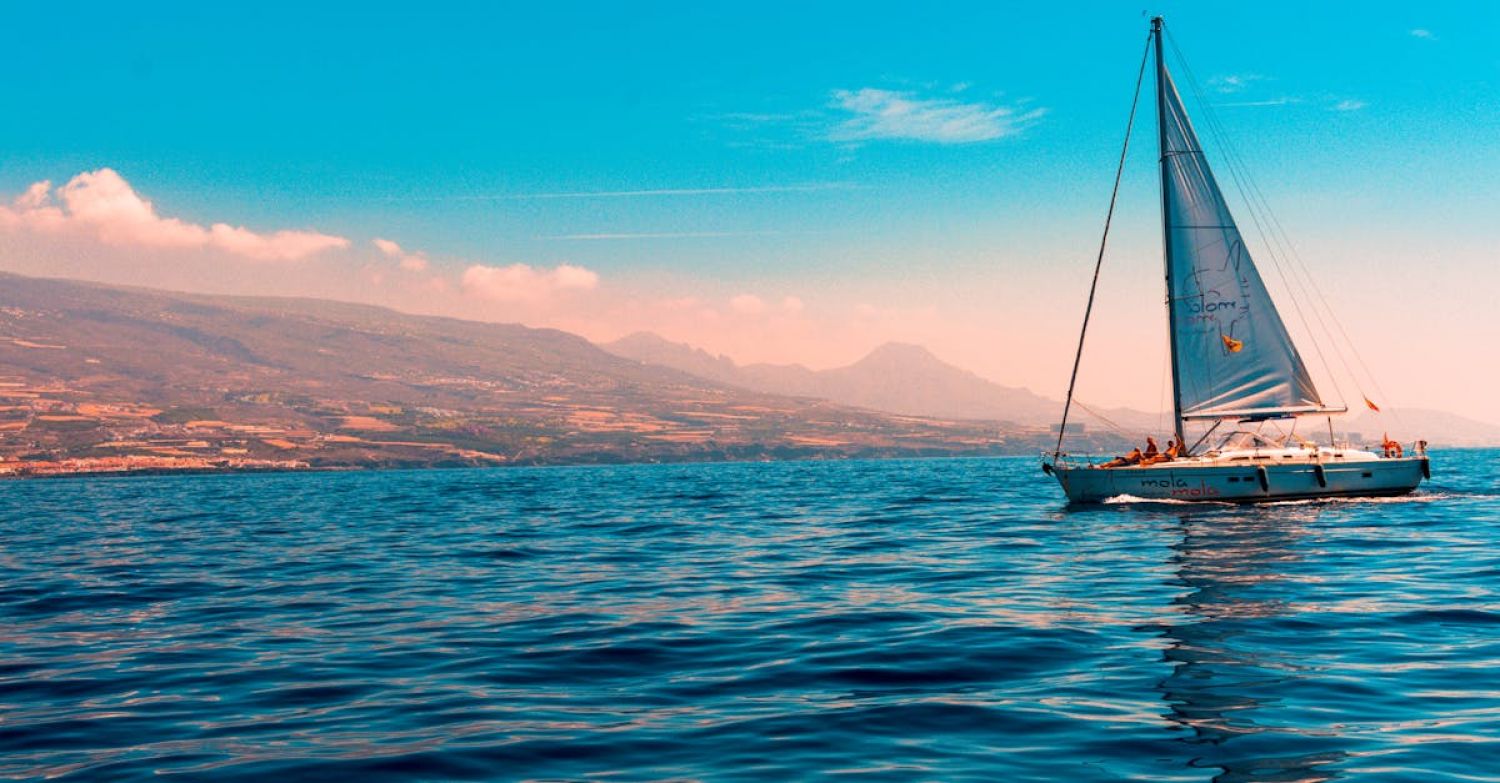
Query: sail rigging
(1232,354)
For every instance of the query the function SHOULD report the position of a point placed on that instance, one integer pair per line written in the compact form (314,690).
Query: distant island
(104,379)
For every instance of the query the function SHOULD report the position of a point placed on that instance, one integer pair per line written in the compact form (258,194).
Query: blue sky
(488,133)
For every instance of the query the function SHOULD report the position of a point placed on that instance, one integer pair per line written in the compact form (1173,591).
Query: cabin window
(1366,474)
(1234,479)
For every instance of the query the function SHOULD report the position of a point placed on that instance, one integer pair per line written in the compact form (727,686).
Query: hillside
(1437,427)
(895,377)
(909,380)
(107,373)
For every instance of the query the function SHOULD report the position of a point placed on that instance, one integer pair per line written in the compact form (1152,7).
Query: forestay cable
(1062,429)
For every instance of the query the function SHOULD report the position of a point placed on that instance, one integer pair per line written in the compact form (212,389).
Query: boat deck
(1249,475)
(1236,457)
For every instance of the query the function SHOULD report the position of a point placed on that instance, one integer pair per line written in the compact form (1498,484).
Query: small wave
(759,621)
(1451,617)
(1136,499)
(1403,499)
(1398,500)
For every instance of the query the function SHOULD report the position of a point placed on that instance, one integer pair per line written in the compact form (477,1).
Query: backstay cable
(1279,247)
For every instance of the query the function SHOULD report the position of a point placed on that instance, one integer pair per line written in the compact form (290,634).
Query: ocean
(938,620)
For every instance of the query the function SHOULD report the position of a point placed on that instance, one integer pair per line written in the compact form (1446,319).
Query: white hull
(1244,482)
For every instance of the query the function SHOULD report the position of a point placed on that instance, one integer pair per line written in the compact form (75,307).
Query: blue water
(932,620)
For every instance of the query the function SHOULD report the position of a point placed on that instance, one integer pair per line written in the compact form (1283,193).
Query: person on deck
(1129,459)
(1172,452)
(1151,450)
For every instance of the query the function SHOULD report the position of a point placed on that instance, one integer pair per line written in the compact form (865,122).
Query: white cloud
(411,262)
(1423,33)
(1234,82)
(569,276)
(1350,104)
(885,114)
(525,283)
(36,196)
(278,246)
(102,204)
(1282,101)
(749,304)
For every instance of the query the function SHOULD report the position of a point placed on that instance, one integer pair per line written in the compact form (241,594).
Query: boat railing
(1067,460)
(1315,453)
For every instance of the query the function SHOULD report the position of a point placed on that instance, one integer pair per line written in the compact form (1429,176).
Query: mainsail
(1233,356)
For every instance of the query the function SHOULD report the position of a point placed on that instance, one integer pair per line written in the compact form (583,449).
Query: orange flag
(1372,405)
(1232,344)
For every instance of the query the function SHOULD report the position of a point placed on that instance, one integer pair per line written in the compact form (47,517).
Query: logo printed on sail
(1209,307)
(1196,307)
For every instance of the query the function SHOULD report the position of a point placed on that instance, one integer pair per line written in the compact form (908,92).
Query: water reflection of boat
(1237,573)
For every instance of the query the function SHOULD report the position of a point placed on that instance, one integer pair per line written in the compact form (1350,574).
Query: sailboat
(1232,361)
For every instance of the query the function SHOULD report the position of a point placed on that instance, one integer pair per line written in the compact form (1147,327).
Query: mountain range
(91,371)
(910,380)
(895,377)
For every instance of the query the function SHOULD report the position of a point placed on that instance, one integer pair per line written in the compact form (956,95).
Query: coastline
(597,460)
(15,470)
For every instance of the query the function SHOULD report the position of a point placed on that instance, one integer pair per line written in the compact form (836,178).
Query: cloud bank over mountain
(102,205)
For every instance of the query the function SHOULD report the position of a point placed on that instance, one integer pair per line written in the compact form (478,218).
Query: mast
(1166,230)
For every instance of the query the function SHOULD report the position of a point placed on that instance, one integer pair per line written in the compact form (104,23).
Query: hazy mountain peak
(651,339)
(896,377)
(901,353)
(652,348)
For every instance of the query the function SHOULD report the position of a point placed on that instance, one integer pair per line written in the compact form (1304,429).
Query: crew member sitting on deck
(1151,450)
(1129,459)
(1172,452)
(1392,448)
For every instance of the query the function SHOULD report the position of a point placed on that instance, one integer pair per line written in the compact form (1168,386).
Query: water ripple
(938,620)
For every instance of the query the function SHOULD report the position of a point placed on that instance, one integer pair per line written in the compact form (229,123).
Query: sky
(774,182)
